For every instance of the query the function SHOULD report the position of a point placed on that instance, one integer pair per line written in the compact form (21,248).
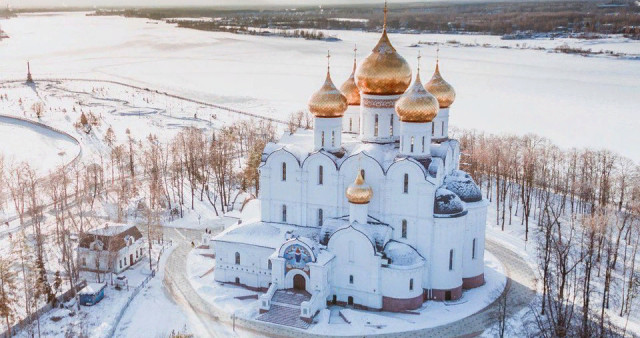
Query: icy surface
(559,96)
(42,148)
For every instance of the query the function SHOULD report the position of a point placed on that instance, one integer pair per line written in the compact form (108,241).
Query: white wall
(253,269)
(395,282)
(448,234)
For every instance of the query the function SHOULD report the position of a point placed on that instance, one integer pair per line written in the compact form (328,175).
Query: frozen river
(573,100)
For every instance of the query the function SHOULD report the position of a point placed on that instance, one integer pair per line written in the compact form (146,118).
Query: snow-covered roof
(461,183)
(264,234)
(113,237)
(91,289)
(401,254)
(447,204)
(378,233)
(301,145)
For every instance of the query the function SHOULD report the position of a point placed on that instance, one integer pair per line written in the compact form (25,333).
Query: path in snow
(521,283)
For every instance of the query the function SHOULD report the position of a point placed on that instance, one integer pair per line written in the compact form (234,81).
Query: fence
(22,324)
(112,331)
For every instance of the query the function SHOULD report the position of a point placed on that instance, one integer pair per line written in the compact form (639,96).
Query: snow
(42,148)
(431,314)
(402,254)
(263,234)
(91,289)
(447,203)
(462,184)
(567,98)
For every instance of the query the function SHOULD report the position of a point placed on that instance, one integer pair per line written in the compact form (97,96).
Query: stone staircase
(285,309)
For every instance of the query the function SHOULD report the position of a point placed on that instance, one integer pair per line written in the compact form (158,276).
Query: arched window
(412,139)
(375,126)
(320,217)
(433,129)
(322,139)
(405,187)
(351,255)
(284,171)
(320,175)
(391,127)
(237,258)
(269,266)
(442,129)
(423,144)
(333,138)
(450,259)
(350,124)
(284,213)
(473,249)
(411,284)
(350,279)
(404,228)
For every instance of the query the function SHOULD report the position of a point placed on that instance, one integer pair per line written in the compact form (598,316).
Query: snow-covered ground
(431,314)
(574,100)
(42,148)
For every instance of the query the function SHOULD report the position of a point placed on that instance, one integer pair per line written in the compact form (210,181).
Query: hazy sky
(164,3)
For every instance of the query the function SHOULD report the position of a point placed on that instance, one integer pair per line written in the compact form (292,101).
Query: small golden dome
(359,192)
(416,104)
(328,102)
(384,71)
(441,89)
(350,90)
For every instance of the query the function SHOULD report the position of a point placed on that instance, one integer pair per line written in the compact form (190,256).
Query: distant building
(369,209)
(113,248)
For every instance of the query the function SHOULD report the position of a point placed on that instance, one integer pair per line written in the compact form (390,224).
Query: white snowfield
(575,101)
(42,148)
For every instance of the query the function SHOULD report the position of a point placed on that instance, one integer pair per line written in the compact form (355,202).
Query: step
(281,315)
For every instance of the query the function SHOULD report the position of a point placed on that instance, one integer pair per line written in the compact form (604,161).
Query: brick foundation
(399,305)
(473,282)
(441,295)
(252,288)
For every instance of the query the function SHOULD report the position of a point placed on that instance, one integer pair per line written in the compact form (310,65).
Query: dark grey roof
(462,184)
(447,203)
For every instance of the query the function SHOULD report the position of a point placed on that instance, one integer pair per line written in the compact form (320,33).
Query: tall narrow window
(333,138)
(412,139)
(237,258)
(411,284)
(442,129)
(320,175)
(404,228)
(284,171)
(362,173)
(450,259)
(350,124)
(322,139)
(375,126)
(433,129)
(350,279)
(473,249)
(270,266)
(423,144)
(405,188)
(320,217)
(391,127)
(351,255)
(284,213)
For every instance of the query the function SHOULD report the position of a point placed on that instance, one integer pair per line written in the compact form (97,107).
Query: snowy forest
(580,208)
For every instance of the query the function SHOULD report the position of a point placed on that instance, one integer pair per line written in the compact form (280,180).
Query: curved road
(521,285)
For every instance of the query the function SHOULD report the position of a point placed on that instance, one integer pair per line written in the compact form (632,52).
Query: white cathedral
(370,208)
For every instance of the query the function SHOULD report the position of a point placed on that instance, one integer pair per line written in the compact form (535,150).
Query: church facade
(370,208)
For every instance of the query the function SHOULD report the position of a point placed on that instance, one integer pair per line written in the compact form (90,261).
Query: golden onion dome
(384,71)
(416,104)
(328,102)
(441,89)
(350,90)
(359,192)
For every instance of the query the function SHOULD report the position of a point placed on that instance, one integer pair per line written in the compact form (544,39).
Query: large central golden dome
(328,102)
(384,71)
(416,104)
(359,192)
